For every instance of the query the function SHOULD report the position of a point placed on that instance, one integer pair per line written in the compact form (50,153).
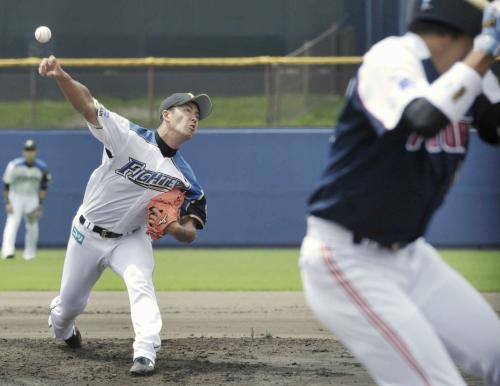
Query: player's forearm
(6,194)
(421,117)
(479,61)
(449,97)
(79,96)
(184,233)
(42,195)
(487,120)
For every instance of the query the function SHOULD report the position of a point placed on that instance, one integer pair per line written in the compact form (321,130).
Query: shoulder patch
(41,164)
(18,161)
(102,111)
(146,134)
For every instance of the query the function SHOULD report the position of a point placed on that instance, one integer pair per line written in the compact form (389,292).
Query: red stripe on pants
(385,330)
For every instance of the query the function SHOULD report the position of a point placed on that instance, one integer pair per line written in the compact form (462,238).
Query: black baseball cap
(178,99)
(459,14)
(29,145)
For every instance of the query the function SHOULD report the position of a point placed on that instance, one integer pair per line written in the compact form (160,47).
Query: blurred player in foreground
(367,272)
(109,227)
(26,180)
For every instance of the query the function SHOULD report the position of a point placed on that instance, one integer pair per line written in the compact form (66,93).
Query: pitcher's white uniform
(132,172)
(25,182)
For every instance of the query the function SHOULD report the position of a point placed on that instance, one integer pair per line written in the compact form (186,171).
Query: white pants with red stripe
(406,315)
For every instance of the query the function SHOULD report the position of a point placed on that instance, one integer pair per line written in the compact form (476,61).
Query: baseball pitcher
(143,190)
(367,271)
(26,180)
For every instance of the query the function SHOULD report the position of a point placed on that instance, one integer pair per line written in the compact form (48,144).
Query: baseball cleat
(142,366)
(9,257)
(75,340)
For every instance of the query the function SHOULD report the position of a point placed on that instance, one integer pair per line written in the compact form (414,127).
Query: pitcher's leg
(82,268)
(133,261)
(367,310)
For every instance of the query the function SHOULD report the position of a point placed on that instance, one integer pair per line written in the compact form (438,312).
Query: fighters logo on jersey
(77,235)
(453,139)
(136,172)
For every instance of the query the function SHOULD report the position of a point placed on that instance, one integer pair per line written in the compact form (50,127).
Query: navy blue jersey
(385,183)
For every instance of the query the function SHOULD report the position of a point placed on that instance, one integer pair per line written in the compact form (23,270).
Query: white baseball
(43,34)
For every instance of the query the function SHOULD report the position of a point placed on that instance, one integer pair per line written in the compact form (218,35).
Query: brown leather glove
(168,206)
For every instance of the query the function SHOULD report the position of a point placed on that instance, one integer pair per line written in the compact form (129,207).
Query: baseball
(43,34)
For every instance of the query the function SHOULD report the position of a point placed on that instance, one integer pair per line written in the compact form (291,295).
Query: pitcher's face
(184,119)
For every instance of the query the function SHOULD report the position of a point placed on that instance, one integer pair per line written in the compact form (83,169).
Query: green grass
(481,268)
(223,270)
(237,112)
(18,114)
(248,111)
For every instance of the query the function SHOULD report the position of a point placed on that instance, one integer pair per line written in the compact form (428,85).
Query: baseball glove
(35,214)
(168,205)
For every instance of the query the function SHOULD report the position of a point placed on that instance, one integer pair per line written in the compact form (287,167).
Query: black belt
(104,233)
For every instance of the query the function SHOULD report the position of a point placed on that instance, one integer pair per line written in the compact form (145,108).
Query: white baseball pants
(21,205)
(406,315)
(131,257)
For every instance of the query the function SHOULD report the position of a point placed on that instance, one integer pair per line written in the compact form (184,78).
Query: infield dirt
(209,338)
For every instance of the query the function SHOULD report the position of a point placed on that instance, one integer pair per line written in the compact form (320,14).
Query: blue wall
(257,182)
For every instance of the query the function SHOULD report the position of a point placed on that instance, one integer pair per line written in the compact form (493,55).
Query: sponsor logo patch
(490,23)
(459,94)
(103,112)
(406,83)
(77,235)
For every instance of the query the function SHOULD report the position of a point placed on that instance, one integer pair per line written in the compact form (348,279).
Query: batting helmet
(458,14)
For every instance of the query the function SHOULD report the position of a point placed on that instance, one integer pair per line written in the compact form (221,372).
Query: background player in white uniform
(109,227)
(367,272)
(26,180)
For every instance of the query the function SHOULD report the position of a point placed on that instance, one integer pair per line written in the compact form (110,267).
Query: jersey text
(453,139)
(136,172)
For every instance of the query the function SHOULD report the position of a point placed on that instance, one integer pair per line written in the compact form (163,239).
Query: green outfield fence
(272,91)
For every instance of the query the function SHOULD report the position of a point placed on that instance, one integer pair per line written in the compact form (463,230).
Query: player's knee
(31,226)
(135,279)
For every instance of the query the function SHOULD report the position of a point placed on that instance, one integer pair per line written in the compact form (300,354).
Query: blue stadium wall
(257,183)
